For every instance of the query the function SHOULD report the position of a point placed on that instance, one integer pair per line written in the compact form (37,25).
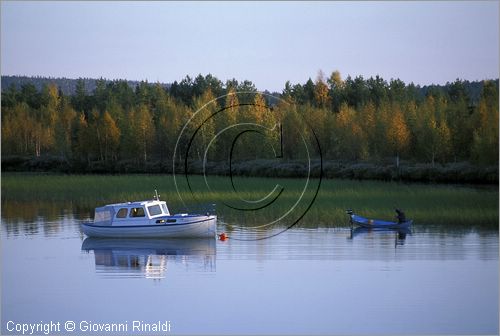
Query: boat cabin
(130,212)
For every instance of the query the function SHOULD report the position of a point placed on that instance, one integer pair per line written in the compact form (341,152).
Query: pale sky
(265,42)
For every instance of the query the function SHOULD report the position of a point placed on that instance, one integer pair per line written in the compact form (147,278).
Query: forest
(374,123)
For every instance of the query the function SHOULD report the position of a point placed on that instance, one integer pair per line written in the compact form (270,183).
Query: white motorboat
(148,219)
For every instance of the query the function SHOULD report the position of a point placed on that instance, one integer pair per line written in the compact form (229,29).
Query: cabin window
(164,207)
(154,210)
(122,213)
(102,216)
(137,212)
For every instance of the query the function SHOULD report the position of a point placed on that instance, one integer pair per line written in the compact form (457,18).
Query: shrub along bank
(459,172)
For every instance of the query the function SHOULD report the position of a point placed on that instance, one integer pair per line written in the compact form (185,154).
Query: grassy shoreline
(450,205)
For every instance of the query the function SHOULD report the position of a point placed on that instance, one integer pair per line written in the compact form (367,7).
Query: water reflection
(45,210)
(149,258)
(50,219)
(398,234)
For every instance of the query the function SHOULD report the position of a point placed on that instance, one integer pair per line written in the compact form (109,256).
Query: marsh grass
(425,204)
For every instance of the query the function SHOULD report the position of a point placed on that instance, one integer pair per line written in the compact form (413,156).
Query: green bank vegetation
(453,206)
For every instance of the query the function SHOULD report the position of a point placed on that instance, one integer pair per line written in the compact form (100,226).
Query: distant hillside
(67,85)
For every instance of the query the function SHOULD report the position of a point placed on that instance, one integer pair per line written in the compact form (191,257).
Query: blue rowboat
(377,223)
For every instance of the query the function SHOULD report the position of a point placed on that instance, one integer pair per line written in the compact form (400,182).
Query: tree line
(66,85)
(355,119)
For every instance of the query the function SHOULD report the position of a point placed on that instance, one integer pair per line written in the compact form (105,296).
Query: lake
(306,280)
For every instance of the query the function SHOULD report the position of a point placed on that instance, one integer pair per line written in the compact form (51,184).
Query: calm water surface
(304,281)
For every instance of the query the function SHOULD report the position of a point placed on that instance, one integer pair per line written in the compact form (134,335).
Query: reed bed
(426,204)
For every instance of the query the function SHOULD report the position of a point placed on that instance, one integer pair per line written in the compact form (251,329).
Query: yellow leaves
(205,104)
(24,132)
(445,135)
(139,132)
(359,119)
(259,109)
(230,114)
(52,94)
(143,120)
(485,136)
(335,80)
(359,136)
(321,95)
(397,132)
(345,116)
(111,131)
(202,122)
(368,118)
(349,135)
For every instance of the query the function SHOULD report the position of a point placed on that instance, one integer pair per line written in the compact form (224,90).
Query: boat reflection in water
(399,234)
(134,257)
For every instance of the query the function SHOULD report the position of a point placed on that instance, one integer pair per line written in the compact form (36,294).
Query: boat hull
(200,227)
(148,246)
(374,223)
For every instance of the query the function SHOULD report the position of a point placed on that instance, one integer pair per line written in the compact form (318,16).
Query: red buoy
(223,236)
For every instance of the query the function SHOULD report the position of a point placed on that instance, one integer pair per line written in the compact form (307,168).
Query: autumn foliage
(356,120)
